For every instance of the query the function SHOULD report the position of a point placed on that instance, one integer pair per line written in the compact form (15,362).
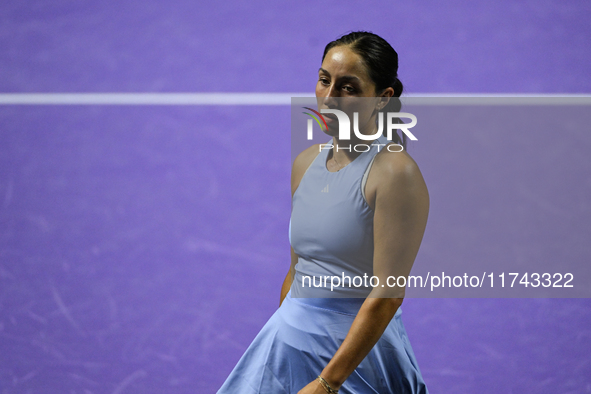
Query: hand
(313,387)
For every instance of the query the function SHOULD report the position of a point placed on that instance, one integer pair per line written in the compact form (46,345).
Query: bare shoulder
(301,164)
(396,166)
(395,174)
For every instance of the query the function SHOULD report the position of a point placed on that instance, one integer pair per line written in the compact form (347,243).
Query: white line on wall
(277,99)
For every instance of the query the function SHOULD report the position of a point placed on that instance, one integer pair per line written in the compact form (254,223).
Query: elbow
(392,304)
(396,302)
(386,306)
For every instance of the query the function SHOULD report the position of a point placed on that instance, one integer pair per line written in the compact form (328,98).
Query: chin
(331,134)
(331,131)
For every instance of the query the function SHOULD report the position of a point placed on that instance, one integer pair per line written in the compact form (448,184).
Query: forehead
(342,61)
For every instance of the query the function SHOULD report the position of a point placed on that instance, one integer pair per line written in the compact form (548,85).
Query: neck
(345,151)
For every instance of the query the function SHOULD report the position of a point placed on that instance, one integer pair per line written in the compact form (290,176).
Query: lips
(330,117)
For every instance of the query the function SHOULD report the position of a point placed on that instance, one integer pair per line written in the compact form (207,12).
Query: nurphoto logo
(393,122)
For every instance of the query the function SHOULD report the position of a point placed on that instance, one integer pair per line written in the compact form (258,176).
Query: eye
(349,89)
(324,81)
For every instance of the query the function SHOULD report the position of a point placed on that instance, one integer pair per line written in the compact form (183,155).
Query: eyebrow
(345,77)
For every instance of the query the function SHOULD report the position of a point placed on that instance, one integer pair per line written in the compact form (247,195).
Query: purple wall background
(142,248)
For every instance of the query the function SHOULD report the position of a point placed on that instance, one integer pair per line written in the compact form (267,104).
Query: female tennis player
(356,213)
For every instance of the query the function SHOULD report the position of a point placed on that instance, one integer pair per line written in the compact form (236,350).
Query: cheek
(364,109)
(366,115)
(319,100)
(320,88)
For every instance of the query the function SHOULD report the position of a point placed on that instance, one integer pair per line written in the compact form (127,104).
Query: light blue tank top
(331,229)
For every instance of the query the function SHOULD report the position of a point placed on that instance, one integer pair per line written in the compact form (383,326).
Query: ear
(384,98)
(388,92)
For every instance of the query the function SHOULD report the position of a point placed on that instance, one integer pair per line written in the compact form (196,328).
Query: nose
(330,100)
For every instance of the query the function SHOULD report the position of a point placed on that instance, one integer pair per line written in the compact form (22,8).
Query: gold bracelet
(326,386)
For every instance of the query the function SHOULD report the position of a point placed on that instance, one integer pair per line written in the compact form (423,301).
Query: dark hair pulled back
(381,61)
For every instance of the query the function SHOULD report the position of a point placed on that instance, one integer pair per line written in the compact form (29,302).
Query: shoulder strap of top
(381,140)
(365,176)
(320,156)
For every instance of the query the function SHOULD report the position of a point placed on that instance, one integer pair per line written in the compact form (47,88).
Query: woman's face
(344,84)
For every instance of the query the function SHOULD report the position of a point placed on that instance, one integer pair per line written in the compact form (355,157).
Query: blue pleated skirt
(300,339)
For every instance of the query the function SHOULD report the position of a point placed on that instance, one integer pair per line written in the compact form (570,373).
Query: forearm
(372,319)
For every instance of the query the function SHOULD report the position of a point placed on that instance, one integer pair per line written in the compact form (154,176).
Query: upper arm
(400,216)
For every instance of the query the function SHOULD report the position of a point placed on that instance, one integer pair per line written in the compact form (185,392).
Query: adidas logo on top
(325,190)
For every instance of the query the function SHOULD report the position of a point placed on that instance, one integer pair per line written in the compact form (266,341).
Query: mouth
(329,118)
